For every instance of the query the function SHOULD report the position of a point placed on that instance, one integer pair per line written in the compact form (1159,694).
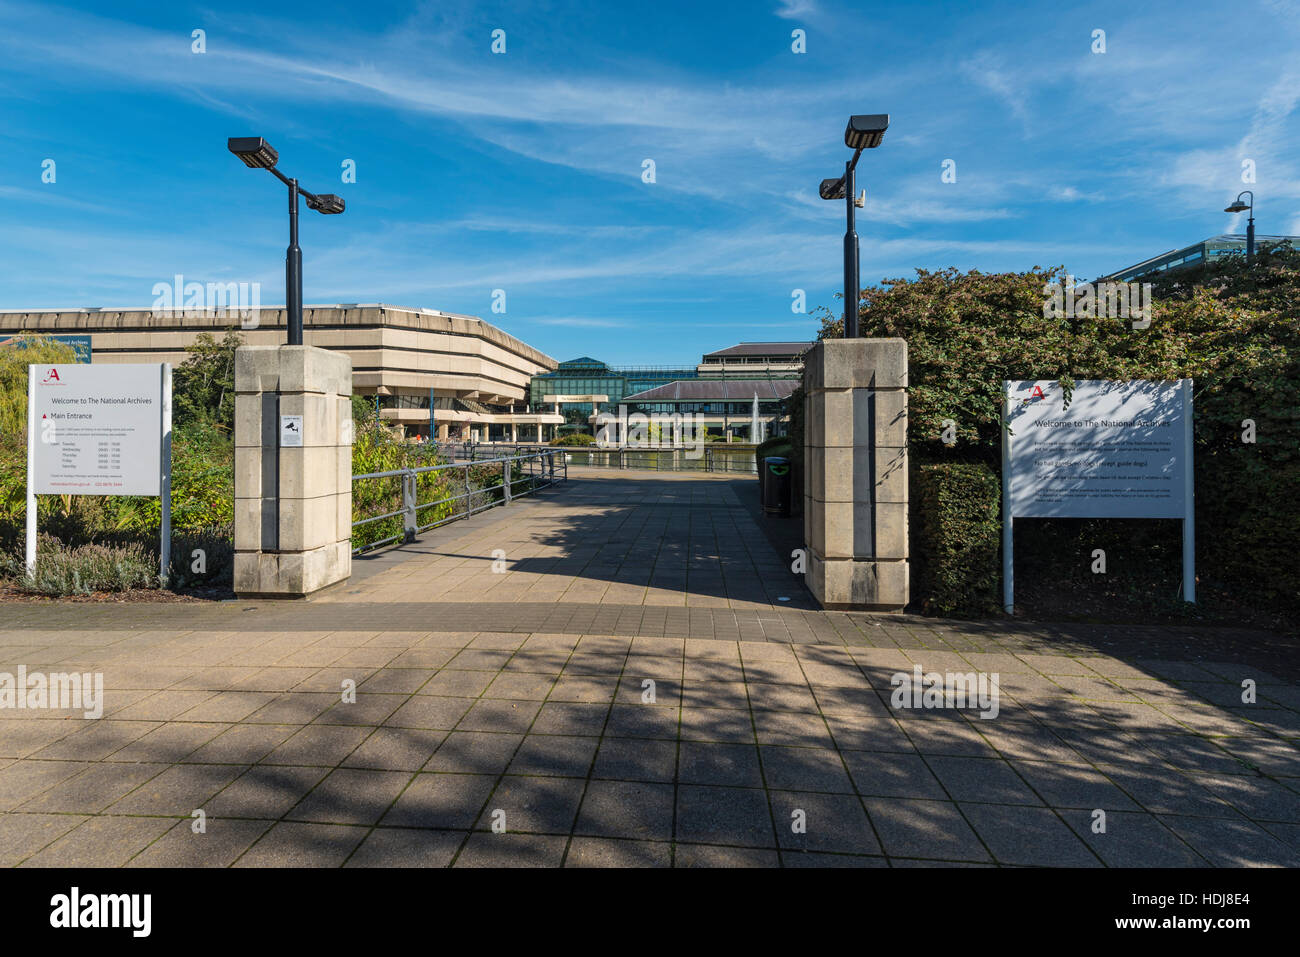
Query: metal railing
(720,458)
(666,459)
(482,451)
(541,469)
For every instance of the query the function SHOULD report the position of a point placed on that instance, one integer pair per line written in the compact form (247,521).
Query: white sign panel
(290,431)
(98,429)
(1119,450)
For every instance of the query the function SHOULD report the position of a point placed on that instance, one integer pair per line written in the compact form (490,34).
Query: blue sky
(522,171)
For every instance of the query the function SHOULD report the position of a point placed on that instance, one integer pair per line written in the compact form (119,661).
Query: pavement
(623,671)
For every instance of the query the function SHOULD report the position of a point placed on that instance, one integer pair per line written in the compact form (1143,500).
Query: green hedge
(956,536)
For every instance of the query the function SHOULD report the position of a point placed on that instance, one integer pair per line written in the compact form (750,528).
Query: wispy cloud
(988,71)
(577,322)
(794,9)
(523,172)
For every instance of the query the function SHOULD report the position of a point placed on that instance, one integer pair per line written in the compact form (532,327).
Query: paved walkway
(633,691)
(672,540)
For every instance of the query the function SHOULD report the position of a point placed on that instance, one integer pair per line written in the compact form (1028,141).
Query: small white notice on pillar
(290,431)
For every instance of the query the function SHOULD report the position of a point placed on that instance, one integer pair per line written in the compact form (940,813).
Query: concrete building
(756,360)
(455,376)
(466,376)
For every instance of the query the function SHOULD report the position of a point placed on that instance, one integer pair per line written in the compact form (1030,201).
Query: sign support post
(31,471)
(1008,555)
(165,478)
(1189,505)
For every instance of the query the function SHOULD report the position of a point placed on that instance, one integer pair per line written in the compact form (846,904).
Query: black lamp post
(257,153)
(1239,207)
(863,132)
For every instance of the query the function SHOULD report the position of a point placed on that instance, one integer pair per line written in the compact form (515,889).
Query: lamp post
(1238,206)
(865,131)
(257,153)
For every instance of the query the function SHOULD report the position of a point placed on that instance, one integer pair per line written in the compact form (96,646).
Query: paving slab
(771,738)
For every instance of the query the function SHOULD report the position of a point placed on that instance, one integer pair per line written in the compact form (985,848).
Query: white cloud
(795,9)
(1070,194)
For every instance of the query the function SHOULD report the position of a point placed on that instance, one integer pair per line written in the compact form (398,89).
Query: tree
(15,355)
(203,386)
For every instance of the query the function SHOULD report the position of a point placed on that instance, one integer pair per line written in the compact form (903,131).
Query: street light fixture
(864,132)
(1238,206)
(326,203)
(832,188)
(257,153)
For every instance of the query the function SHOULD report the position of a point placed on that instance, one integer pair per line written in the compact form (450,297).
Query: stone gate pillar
(855,455)
(293,470)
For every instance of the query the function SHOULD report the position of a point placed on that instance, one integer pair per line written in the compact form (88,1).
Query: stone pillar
(855,454)
(293,503)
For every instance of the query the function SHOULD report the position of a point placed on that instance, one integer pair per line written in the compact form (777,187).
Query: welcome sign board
(98,429)
(1118,450)
(1115,450)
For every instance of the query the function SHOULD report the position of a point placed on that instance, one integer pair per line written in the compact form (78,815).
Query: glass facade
(709,389)
(740,410)
(587,376)
(1197,255)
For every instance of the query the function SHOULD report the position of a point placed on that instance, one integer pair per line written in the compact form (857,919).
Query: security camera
(861,201)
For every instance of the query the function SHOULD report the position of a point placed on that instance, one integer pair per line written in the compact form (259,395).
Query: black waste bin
(776,485)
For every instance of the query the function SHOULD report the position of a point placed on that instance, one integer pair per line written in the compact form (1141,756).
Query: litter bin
(776,485)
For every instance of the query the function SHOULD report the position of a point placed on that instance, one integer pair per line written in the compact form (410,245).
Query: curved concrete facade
(394,350)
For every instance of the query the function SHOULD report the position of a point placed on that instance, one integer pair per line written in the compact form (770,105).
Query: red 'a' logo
(52,376)
(1037,393)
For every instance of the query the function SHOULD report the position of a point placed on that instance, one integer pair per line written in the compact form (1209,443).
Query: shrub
(956,529)
(1233,330)
(376,449)
(575,438)
(217,567)
(83,569)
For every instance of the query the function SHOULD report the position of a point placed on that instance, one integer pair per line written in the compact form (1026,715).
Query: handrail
(547,474)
